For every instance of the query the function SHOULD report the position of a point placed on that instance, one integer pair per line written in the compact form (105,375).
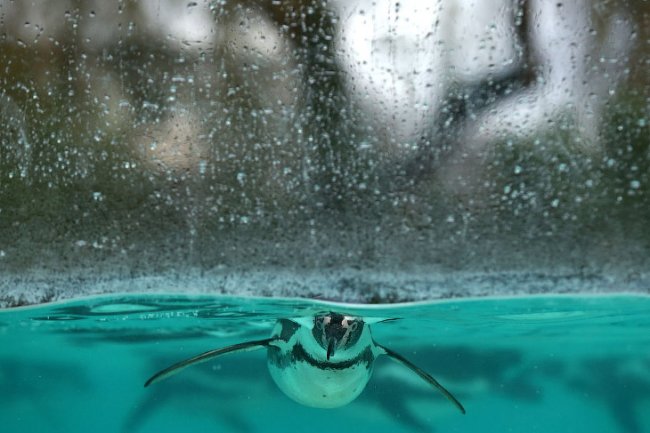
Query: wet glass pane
(351,150)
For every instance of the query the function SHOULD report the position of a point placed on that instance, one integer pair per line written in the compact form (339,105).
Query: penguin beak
(331,345)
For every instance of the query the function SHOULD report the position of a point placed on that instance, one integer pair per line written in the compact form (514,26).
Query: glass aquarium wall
(359,150)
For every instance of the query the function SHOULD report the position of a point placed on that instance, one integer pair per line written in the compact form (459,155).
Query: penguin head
(335,332)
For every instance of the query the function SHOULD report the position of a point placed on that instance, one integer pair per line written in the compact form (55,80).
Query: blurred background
(371,151)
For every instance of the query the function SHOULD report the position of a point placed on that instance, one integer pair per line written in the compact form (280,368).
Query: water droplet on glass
(241,177)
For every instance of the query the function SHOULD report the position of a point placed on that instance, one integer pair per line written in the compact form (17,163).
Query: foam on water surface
(528,364)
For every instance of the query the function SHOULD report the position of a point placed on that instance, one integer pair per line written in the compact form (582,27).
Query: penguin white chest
(300,369)
(320,387)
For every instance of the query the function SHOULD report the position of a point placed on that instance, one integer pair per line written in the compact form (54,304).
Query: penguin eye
(318,324)
(354,326)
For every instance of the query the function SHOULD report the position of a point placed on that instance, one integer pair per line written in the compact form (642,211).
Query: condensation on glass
(357,150)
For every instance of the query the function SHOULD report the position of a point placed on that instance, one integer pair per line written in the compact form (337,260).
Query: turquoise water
(528,364)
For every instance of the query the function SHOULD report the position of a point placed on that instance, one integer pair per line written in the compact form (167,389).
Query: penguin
(324,362)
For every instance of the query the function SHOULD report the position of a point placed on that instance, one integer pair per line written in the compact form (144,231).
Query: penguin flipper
(206,356)
(424,375)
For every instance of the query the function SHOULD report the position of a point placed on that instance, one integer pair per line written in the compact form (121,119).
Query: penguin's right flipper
(206,356)
(424,375)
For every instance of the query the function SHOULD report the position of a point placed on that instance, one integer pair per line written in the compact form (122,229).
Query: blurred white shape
(99,22)
(480,38)
(395,70)
(577,68)
(15,148)
(193,26)
(403,58)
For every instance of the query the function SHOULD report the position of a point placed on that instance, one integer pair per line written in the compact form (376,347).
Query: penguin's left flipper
(424,375)
(206,356)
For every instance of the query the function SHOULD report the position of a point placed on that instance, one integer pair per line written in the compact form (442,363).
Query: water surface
(526,364)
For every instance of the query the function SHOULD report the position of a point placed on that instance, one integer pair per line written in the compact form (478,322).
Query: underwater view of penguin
(323,361)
